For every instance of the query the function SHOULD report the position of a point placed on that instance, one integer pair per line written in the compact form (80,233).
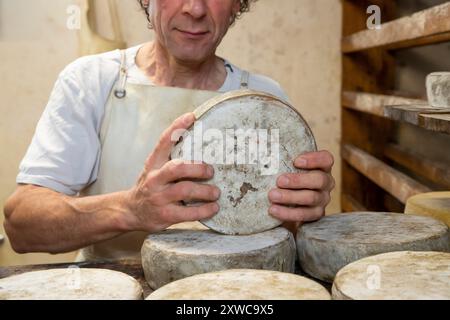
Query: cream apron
(135,116)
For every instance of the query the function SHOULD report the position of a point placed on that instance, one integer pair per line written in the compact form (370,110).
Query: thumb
(162,150)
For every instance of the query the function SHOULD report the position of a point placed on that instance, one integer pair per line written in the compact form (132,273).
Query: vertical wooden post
(370,71)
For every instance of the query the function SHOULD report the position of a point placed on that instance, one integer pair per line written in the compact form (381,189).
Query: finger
(191,191)
(183,214)
(179,169)
(297,197)
(322,160)
(161,153)
(300,214)
(314,180)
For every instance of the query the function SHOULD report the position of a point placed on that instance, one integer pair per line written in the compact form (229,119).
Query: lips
(193,34)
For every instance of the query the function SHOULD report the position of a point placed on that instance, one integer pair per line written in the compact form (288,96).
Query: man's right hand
(155,203)
(38,219)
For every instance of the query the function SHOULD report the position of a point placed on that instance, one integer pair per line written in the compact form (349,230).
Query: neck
(165,70)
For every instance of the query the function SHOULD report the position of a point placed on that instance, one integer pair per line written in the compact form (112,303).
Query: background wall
(34,47)
(296,42)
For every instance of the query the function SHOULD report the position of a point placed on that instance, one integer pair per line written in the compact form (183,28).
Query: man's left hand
(301,197)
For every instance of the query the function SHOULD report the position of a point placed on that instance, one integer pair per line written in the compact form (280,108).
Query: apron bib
(135,117)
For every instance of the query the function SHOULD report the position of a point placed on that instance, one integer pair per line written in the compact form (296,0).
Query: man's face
(191,30)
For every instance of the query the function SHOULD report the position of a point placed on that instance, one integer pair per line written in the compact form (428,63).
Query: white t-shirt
(65,151)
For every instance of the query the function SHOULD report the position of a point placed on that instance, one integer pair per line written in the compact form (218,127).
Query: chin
(192,58)
(193,54)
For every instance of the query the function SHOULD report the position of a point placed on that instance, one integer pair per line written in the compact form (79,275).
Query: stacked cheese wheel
(242,284)
(431,204)
(402,275)
(70,284)
(175,254)
(326,246)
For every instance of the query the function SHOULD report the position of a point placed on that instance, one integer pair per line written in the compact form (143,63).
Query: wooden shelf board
(426,27)
(391,180)
(436,122)
(430,118)
(375,103)
(350,204)
(434,171)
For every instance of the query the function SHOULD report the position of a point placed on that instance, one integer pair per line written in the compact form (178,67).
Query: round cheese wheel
(242,284)
(250,138)
(432,204)
(438,89)
(70,284)
(194,225)
(325,246)
(175,254)
(403,275)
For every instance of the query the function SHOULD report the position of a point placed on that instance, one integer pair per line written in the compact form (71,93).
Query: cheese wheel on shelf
(175,254)
(438,89)
(431,204)
(403,275)
(325,246)
(242,285)
(71,284)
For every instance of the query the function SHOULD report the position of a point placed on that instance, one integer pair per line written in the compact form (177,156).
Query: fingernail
(216,207)
(301,162)
(210,171)
(188,119)
(273,210)
(284,181)
(217,193)
(275,195)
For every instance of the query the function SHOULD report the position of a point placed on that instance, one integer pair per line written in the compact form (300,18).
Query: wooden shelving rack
(370,113)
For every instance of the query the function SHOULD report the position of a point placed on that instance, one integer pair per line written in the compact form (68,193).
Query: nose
(195,8)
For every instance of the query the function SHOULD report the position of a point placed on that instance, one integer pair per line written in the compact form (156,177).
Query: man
(99,135)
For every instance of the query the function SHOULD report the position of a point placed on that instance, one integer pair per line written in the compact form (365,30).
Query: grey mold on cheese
(438,89)
(244,187)
(325,246)
(175,254)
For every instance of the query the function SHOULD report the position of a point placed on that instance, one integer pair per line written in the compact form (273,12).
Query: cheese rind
(431,204)
(71,284)
(250,138)
(403,275)
(175,254)
(194,225)
(242,284)
(325,246)
(438,89)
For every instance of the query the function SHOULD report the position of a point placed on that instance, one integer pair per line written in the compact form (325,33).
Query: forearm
(41,220)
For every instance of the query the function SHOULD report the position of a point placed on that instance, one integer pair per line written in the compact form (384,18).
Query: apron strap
(120,91)
(244,79)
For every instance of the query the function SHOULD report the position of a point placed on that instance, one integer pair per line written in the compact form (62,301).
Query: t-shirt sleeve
(65,149)
(265,84)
